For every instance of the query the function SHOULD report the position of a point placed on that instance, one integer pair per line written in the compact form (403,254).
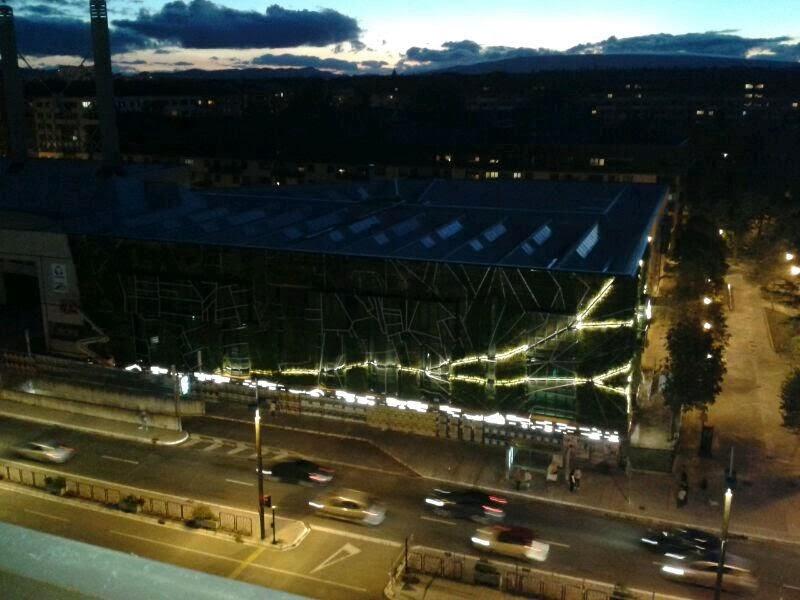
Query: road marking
(435,520)
(125,460)
(240,482)
(212,447)
(233,560)
(45,515)
(237,450)
(246,562)
(341,554)
(356,536)
(190,442)
(555,543)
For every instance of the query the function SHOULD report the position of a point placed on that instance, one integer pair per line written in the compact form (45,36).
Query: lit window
(594,111)
(610,95)
(760,86)
(597,162)
(492,174)
(494,161)
(517,175)
(748,86)
(700,112)
(795,104)
(588,241)
(86,104)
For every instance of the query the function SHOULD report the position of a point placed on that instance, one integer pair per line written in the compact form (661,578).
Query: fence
(511,579)
(92,491)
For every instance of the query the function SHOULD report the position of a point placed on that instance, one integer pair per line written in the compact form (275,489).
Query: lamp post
(259,468)
(726,517)
(176,395)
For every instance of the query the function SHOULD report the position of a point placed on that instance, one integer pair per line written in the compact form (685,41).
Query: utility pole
(176,395)
(259,468)
(726,517)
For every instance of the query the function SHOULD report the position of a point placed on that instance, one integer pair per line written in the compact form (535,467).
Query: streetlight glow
(794,270)
(789,256)
(706,325)
(706,300)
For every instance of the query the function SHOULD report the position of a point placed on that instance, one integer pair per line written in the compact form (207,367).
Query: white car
(349,505)
(516,542)
(45,451)
(737,574)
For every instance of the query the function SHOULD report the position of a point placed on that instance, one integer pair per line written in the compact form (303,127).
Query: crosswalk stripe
(190,442)
(212,447)
(237,450)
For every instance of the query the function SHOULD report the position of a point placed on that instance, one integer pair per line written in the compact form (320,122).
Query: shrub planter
(203,518)
(55,485)
(131,504)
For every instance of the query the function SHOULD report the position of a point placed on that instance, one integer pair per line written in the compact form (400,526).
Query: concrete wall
(113,398)
(92,410)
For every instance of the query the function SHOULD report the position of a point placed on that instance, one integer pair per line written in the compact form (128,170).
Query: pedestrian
(572,480)
(144,419)
(578,475)
(683,496)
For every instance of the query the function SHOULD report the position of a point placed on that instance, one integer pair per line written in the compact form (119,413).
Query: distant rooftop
(560,226)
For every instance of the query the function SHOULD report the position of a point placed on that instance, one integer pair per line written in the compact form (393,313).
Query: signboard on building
(58,278)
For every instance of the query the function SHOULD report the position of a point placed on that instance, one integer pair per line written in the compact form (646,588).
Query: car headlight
(434,501)
(315,504)
(480,541)
(649,541)
(673,570)
(676,556)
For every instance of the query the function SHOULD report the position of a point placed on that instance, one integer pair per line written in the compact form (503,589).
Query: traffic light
(267,501)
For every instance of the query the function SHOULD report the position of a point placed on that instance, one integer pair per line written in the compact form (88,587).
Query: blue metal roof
(561,226)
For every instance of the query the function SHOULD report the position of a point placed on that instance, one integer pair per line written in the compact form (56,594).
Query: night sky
(362,36)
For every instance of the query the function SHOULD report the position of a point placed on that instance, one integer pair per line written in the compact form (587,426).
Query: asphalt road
(348,560)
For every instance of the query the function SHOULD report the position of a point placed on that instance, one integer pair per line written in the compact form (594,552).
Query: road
(339,559)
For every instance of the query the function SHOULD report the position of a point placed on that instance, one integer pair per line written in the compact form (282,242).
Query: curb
(104,432)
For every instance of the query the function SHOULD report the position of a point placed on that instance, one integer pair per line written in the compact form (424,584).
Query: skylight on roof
(364,224)
(336,235)
(405,227)
(449,230)
(589,241)
(494,232)
(381,238)
(541,235)
(428,241)
(476,245)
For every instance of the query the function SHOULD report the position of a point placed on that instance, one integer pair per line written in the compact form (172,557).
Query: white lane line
(237,561)
(190,442)
(356,536)
(247,483)
(125,460)
(45,515)
(212,447)
(555,543)
(435,520)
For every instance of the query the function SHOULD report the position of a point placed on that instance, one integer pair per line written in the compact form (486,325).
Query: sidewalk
(107,427)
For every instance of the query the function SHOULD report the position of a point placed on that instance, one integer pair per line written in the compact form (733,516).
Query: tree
(790,401)
(702,256)
(695,366)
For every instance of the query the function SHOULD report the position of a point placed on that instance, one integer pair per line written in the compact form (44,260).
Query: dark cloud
(204,24)
(299,60)
(182,63)
(44,10)
(466,52)
(162,51)
(213,57)
(711,43)
(45,36)
(374,64)
(138,61)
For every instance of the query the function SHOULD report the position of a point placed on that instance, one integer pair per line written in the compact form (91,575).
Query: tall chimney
(15,102)
(104,83)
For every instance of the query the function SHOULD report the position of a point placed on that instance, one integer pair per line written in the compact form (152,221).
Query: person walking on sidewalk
(572,480)
(683,495)
(578,475)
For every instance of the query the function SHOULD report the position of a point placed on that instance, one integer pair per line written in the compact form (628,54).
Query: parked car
(467,504)
(680,543)
(301,471)
(738,575)
(349,505)
(516,542)
(45,451)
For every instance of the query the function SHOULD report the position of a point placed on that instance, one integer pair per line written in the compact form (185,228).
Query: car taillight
(320,477)
(498,499)
(492,509)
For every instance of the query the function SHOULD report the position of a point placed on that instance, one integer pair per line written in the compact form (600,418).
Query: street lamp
(706,325)
(706,300)
(794,270)
(726,517)
(789,256)
(259,469)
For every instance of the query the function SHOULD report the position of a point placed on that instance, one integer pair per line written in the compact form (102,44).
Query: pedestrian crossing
(236,449)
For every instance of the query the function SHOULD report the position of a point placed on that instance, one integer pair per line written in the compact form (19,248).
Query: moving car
(467,504)
(349,505)
(516,542)
(737,575)
(299,471)
(45,451)
(680,543)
